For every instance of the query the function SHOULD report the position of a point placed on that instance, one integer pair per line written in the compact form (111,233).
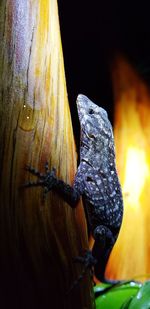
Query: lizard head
(96,129)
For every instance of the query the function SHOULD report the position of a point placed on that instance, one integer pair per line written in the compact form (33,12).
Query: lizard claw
(34,171)
(47,180)
(88,260)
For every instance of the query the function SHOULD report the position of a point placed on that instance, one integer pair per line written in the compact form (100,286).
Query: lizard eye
(89,178)
(91,136)
(91,111)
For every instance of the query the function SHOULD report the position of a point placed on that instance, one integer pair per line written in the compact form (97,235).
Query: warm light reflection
(130,257)
(136,172)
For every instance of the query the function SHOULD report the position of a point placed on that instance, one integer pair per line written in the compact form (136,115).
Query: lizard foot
(47,180)
(88,262)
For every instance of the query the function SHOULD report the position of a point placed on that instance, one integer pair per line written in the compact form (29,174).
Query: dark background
(92,32)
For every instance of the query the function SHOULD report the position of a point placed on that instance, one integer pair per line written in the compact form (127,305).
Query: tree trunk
(38,240)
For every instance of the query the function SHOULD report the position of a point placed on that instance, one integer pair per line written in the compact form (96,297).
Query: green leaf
(127,303)
(142,299)
(116,296)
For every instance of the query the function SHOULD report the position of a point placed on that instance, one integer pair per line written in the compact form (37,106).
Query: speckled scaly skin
(96,180)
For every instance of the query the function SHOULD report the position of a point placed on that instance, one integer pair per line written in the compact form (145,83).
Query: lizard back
(97,175)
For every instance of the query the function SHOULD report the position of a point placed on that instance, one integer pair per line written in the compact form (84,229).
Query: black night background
(92,33)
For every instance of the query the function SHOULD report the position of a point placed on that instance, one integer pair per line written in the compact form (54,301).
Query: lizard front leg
(49,181)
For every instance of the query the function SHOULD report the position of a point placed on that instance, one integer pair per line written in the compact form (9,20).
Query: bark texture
(37,241)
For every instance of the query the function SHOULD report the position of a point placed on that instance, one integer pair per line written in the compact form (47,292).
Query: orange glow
(136,172)
(131,254)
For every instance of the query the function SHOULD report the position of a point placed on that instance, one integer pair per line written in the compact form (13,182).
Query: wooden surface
(37,241)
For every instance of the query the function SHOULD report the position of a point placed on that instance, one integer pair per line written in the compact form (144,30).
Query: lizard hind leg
(104,241)
(88,262)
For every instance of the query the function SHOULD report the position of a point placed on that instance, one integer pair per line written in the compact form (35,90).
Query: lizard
(96,181)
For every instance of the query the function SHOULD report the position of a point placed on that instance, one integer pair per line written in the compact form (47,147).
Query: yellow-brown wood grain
(37,240)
